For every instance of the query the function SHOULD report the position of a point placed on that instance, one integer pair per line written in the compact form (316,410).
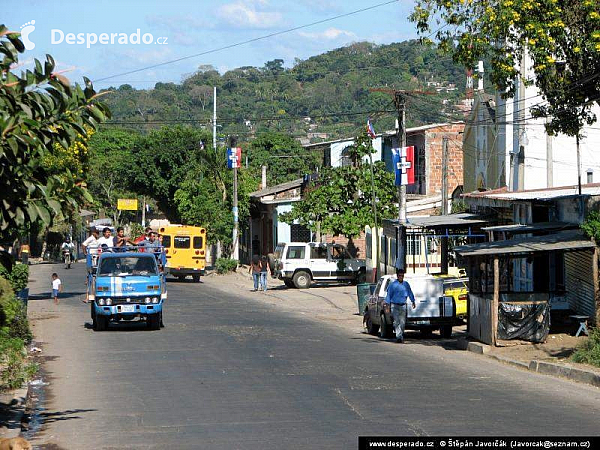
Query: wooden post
(595,261)
(495,300)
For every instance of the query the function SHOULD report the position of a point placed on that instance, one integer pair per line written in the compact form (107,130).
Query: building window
(590,176)
(345,159)
(413,244)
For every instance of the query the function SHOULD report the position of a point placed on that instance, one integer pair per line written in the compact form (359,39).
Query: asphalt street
(231,372)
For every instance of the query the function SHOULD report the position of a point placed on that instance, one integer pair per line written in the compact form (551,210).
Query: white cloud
(249,14)
(329,34)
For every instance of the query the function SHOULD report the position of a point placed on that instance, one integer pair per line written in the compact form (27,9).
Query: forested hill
(329,93)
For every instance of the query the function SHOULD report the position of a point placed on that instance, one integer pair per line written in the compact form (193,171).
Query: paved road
(232,372)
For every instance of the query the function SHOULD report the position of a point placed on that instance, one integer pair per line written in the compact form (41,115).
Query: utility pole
(400,103)
(445,175)
(214,121)
(144,211)
(235,254)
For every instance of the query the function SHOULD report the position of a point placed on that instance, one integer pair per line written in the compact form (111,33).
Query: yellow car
(457,288)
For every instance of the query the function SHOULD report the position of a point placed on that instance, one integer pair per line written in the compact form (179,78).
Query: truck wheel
(196,278)
(101,323)
(372,329)
(385,329)
(289,283)
(180,278)
(446,331)
(153,322)
(302,280)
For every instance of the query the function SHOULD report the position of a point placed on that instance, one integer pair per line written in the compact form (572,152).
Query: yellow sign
(127,204)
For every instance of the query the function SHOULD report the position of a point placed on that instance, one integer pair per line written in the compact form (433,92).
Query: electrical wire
(248,41)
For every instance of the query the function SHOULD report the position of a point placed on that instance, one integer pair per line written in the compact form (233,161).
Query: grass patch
(589,353)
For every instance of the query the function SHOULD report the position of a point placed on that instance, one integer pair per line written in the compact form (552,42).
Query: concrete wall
(337,148)
(281,231)
(516,128)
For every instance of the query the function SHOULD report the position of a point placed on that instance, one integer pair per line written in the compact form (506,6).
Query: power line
(248,41)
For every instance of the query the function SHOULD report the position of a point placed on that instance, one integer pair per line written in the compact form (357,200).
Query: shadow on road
(134,325)
(414,338)
(48,295)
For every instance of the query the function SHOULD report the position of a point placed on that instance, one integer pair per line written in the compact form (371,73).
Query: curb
(12,411)
(542,367)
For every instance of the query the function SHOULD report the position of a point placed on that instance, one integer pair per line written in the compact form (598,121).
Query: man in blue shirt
(397,294)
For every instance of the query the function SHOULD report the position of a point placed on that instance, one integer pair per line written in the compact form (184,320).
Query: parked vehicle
(434,310)
(298,264)
(185,249)
(458,289)
(125,285)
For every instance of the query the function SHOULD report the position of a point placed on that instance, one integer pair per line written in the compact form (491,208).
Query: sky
(181,28)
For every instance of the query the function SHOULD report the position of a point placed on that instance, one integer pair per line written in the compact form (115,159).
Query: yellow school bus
(185,249)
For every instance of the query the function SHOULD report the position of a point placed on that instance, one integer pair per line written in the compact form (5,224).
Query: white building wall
(516,129)
(282,232)
(337,148)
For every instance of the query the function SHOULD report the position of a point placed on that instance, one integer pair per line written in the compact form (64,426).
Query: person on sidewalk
(56,287)
(254,269)
(264,269)
(397,294)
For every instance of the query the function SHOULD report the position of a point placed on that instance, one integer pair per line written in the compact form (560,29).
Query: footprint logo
(26,30)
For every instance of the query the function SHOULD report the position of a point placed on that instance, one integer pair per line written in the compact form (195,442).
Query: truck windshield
(127,265)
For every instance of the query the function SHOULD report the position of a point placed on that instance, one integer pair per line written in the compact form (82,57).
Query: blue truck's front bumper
(132,309)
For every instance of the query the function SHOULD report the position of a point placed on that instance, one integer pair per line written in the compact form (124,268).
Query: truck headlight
(147,300)
(101,301)
(154,299)
(108,301)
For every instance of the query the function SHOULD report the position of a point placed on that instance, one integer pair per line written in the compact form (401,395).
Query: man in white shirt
(91,243)
(106,239)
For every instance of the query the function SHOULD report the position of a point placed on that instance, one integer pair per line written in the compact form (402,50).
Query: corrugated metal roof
(566,241)
(450,220)
(536,194)
(530,228)
(278,188)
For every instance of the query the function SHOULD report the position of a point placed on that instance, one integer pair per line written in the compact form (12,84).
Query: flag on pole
(234,157)
(370,129)
(404,168)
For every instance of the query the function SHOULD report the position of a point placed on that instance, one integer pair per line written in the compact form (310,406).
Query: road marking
(347,402)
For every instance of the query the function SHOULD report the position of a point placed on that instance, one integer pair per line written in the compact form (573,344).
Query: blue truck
(126,284)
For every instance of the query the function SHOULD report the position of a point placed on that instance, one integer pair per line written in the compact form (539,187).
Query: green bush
(13,316)
(18,277)
(224,265)
(589,353)
(591,225)
(15,368)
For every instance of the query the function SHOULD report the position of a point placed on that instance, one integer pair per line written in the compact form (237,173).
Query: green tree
(562,38)
(110,168)
(39,109)
(340,200)
(161,162)
(285,158)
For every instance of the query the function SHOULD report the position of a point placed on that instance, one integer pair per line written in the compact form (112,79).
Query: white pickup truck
(433,309)
(298,264)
